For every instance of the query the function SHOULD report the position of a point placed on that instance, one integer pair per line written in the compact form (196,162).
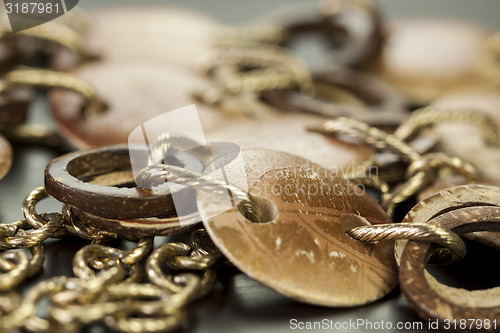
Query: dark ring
(422,294)
(65,175)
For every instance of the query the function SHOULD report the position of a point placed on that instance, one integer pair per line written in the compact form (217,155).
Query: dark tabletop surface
(240,304)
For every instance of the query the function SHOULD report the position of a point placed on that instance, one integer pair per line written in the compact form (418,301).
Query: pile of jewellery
(354,170)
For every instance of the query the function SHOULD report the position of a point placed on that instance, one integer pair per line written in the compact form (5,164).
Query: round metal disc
(428,57)
(165,35)
(302,251)
(134,92)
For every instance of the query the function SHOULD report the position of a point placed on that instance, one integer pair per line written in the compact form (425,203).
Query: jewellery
(296,218)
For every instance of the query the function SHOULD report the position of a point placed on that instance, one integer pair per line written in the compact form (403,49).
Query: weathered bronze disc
(426,58)
(165,35)
(302,251)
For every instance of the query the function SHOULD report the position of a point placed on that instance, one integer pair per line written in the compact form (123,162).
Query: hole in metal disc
(263,208)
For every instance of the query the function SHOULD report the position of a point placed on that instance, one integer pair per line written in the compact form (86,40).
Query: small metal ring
(32,217)
(423,295)
(63,181)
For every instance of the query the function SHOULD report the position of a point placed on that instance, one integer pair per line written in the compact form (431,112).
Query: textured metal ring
(433,300)
(65,180)
(451,199)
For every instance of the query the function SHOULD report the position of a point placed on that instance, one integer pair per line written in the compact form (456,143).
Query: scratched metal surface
(239,304)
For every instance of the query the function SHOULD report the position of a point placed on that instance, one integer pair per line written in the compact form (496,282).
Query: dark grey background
(241,304)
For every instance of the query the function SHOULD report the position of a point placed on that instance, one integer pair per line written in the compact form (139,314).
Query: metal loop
(113,271)
(75,227)
(27,240)
(454,247)
(159,174)
(28,307)
(185,285)
(371,136)
(431,116)
(45,78)
(276,68)
(433,162)
(32,217)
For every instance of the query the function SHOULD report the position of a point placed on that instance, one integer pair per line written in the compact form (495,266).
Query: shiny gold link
(90,313)
(30,214)
(186,287)
(28,307)
(405,190)
(423,172)
(454,247)
(371,181)
(170,321)
(75,227)
(138,253)
(201,243)
(156,259)
(436,161)
(195,262)
(431,116)
(17,274)
(34,237)
(45,78)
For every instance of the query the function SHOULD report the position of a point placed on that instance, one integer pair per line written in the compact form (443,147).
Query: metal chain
(422,169)
(271,67)
(431,116)
(44,78)
(106,288)
(372,136)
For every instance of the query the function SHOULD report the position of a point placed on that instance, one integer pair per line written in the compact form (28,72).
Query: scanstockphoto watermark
(382,325)
(355,325)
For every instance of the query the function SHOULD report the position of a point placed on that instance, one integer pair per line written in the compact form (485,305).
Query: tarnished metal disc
(426,58)
(301,251)
(288,133)
(134,93)
(166,35)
